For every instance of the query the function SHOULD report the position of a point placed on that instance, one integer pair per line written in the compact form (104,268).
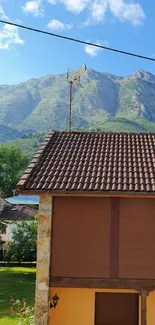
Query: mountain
(105,102)
(7,132)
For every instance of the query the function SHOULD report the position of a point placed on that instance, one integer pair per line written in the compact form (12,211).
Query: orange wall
(77,306)
(151,308)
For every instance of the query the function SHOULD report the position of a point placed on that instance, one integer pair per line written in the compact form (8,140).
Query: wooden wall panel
(80,238)
(137,238)
(116,308)
(114,238)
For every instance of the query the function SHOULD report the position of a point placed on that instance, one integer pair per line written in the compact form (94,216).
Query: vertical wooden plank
(144,295)
(114,238)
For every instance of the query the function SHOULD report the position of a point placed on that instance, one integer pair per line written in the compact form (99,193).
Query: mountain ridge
(43,104)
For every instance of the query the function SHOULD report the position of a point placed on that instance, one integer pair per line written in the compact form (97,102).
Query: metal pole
(70,108)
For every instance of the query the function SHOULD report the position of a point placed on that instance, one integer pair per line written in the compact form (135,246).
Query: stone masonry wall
(43,260)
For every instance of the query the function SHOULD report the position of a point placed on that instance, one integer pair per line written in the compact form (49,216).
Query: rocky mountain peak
(145,75)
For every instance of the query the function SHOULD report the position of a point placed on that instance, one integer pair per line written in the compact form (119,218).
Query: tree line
(12,165)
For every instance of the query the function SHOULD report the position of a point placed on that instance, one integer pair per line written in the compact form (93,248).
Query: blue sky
(125,24)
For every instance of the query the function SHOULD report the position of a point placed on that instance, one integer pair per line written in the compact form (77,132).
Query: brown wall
(80,237)
(137,238)
(103,237)
(124,307)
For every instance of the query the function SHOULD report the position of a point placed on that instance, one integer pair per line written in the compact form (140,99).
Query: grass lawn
(18,282)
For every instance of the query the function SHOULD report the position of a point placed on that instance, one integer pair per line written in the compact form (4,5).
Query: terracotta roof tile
(89,161)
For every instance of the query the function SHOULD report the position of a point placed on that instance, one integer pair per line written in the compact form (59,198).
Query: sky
(124,24)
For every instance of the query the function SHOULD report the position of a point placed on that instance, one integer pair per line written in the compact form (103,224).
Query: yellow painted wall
(77,306)
(151,308)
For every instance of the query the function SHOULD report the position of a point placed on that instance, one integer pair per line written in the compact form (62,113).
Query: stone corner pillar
(43,260)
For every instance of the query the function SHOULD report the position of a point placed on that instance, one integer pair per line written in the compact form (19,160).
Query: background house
(12,214)
(96,228)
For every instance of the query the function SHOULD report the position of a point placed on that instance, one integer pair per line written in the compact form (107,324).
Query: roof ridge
(100,132)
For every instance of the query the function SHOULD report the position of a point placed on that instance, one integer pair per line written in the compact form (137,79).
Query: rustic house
(96,236)
(12,214)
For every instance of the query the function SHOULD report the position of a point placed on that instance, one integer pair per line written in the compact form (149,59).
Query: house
(96,236)
(12,214)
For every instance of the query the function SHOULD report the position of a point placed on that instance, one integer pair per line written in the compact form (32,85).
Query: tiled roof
(90,161)
(15,212)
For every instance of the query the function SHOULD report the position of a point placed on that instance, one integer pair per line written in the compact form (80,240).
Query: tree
(12,164)
(23,246)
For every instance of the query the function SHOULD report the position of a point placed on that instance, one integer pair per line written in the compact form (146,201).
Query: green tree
(12,164)
(23,246)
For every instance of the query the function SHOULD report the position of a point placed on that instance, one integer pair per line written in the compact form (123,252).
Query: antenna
(75,80)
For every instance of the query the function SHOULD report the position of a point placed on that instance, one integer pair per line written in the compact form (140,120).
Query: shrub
(20,309)
(23,246)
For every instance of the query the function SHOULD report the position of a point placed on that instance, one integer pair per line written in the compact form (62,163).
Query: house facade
(96,248)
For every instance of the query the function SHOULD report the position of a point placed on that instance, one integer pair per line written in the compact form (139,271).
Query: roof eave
(86,193)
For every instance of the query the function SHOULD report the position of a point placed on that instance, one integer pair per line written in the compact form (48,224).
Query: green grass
(124,125)
(18,282)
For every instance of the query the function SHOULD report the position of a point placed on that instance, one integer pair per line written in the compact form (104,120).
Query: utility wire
(77,40)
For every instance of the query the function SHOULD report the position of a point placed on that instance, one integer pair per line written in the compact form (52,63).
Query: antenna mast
(75,80)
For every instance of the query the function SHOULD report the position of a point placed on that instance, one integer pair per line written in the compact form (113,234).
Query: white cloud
(2,13)
(124,10)
(53,2)
(98,9)
(91,50)
(132,12)
(9,35)
(75,6)
(58,25)
(94,51)
(120,9)
(33,7)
